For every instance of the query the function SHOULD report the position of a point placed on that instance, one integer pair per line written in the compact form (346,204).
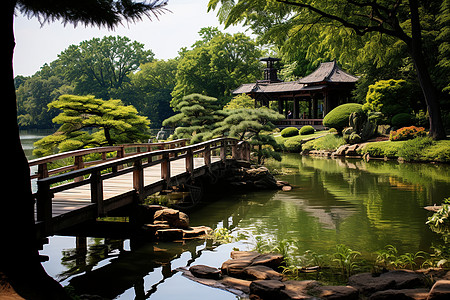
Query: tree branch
(358,28)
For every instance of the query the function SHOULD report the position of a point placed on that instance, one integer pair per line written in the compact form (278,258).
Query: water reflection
(363,205)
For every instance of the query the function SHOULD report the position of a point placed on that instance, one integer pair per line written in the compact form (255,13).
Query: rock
(351,150)
(155,227)
(244,254)
(195,232)
(336,292)
(238,284)
(235,267)
(440,290)
(271,260)
(340,151)
(405,294)
(182,221)
(242,259)
(261,273)
(286,188)
(294,289)
(266,289)
(203,271)
(367,284)
(167,214)
(170,234)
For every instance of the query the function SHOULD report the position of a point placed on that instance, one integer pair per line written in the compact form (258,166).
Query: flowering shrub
(406,133)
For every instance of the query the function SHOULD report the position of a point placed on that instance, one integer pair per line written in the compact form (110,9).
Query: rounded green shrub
(402,120)
(338,117)
(307,129)
(293,145)
(289,131)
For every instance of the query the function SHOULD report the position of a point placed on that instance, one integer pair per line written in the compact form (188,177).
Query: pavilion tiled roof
(328,72)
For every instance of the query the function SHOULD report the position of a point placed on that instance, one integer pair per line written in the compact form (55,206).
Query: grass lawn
(418,149)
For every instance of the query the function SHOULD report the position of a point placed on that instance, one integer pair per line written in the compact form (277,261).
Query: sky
(37,45)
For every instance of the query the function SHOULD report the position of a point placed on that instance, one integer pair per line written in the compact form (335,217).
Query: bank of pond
(327,142)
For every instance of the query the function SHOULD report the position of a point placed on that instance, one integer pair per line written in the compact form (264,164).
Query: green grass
(418,149)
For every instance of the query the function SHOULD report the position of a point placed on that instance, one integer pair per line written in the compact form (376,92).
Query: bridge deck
(80,197)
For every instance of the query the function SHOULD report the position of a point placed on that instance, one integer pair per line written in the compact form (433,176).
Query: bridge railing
(80,157)
(96,174)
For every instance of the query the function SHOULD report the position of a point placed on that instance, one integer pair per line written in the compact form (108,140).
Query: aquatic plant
(346,259)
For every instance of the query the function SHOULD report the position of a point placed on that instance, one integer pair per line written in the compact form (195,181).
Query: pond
(364,205)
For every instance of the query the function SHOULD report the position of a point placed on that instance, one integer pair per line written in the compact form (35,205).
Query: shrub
(289,131)
(306,130)
(407,133)
(328,142)
(402,120)
(338,117)
(293,145)
(389,97)
(412,149)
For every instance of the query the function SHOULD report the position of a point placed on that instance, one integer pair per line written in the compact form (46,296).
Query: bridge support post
(207,155)
(189,162)
(97,192)
(165,168)
(138,180)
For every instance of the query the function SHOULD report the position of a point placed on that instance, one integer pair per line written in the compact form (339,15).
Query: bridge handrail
(45,192)
(78,155)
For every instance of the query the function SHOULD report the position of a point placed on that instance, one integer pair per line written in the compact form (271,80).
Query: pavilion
(305,101)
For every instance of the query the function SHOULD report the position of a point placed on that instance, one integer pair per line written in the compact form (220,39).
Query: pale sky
(36,45)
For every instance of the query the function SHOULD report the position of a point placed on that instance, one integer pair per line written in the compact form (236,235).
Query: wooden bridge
(122,175)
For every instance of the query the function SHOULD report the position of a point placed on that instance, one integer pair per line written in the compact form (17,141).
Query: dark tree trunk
(430,93)
(19,257)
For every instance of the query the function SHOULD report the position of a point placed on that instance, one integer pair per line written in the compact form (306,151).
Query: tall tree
(218,63)
(397,22)
(100,66)
(17,212)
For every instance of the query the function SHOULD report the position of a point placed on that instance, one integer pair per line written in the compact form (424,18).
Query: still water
(363,205)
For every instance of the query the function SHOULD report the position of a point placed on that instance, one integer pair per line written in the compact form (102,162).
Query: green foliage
(197,118)
(101,66)
(388,258)
(149,89)
(328,142)
(217,64)
(388,97)
(412,149)
(360,128)
(90,122)
(289,131)
(252,125)
(307,129)
(346,259)
(402,120)
(407,133)
(339,116)
(240,101)
(439,222)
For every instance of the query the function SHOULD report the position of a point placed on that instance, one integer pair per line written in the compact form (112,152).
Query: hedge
(338,117)
(289,131)
(308,129)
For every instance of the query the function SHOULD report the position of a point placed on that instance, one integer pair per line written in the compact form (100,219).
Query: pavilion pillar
(296,108)
(310,108)
(314,107)
(286,109)
(280,106)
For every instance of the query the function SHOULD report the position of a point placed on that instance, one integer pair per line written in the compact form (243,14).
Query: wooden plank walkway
(79,197)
